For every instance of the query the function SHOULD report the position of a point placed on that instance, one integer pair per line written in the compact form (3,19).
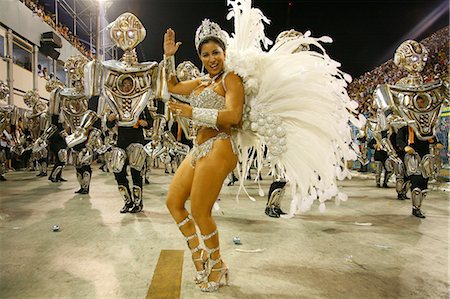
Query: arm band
(169,67)
(205,117)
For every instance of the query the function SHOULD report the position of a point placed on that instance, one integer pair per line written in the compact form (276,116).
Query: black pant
(121,177)
(84,168)
(55,147)
(418,181)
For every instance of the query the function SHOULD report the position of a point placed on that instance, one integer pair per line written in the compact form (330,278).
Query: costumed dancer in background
(363,156)
(84,139)
(380,156)
(417,106)
(37,122)
(128,88)
(55,133)
(9,116)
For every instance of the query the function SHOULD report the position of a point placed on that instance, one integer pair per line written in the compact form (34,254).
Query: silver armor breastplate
(74,106)
(419,106)
(128,89)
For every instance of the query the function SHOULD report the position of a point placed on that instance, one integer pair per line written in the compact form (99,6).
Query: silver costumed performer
(8,118)
(414,106)
(128,88)
(37,121)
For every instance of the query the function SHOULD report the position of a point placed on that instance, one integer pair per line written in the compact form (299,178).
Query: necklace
(207,80)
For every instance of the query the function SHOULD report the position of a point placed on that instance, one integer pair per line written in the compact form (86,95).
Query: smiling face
(212,57)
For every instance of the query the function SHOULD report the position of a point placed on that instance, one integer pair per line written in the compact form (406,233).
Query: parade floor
(368,247)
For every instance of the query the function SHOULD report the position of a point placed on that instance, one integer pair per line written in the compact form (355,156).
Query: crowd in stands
(361,89)
(62,29)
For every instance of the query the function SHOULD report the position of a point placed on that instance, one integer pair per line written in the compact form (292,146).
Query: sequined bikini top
(208,98)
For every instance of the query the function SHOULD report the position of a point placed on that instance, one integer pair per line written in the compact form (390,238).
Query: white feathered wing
(296,106)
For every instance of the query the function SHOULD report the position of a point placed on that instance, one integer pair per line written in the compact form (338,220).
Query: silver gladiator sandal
(213,286)
(201,275)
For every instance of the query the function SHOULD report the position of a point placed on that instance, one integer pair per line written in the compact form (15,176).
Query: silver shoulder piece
(383,97)
(93,78)
(159,123)
(187,71)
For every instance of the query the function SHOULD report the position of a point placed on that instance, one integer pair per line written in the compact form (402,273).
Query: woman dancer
(296,106)
(216,106)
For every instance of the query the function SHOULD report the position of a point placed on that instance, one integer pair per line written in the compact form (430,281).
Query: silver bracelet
(169,67)
(204,117)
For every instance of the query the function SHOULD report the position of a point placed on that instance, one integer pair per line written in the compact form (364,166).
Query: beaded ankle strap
(195,249)
(213,262)
(209,236)
(184,221)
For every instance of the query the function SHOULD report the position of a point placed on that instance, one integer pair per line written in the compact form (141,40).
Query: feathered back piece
(296,108)
(248,26)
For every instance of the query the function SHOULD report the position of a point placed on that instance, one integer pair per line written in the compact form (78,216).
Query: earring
(203,70)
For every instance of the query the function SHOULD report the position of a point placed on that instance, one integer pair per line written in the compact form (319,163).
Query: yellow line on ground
(166,281)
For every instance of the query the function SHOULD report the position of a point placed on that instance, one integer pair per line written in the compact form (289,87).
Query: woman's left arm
(234,101)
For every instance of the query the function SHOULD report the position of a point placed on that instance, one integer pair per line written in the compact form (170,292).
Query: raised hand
(170,47)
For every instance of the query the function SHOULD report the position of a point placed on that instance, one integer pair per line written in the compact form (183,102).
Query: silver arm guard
(166,69)
(95,141)
(186,126)
(41,142)
(93,71)
(169,67)
(14,116)
(204,117)
(382,120)
(174,145)
(80,134)
(159,122)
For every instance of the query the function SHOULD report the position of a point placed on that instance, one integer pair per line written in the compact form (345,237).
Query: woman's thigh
(180,187)
(210,172)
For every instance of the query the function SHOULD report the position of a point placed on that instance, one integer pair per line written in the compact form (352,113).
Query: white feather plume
(303,95)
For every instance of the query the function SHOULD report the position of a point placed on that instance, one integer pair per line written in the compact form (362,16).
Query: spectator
(40,72)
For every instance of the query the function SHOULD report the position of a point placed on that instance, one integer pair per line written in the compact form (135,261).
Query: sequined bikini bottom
(201,150)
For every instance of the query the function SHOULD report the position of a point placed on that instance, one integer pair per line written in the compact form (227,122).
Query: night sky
(365,32)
